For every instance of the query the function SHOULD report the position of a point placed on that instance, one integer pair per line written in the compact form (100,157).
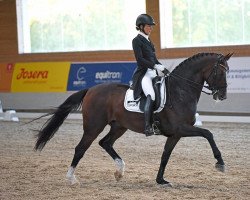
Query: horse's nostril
(223,97)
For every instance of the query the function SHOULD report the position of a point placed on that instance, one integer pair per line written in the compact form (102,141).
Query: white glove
(159,68)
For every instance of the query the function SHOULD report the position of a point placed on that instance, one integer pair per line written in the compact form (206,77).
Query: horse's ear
(228,56)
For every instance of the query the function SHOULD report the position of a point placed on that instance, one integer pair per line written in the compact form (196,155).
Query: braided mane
(193,58)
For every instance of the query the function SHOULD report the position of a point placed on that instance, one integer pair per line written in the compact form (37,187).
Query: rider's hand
(161,70)
(166,72)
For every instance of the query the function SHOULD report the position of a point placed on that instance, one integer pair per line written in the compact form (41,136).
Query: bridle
(213,87)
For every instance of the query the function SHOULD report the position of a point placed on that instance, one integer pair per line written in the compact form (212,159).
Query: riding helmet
(144,19)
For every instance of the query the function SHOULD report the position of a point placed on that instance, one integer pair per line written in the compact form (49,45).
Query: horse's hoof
(167,185)
(220,168)
(72,180)
(118,175)
(164,183)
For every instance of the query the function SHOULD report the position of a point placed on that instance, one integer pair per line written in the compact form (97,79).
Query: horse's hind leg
(81,148)
(107,142)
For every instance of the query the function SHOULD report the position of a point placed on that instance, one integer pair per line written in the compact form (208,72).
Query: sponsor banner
(86,75)
(6,71)
(238,78)
(40,77)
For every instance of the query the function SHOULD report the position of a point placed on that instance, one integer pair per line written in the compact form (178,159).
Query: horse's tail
(50,127)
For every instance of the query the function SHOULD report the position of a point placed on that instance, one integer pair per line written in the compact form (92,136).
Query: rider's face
(148,29)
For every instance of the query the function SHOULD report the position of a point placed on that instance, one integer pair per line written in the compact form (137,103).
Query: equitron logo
(80,82)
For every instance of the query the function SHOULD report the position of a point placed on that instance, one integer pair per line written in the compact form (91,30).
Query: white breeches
(147,85)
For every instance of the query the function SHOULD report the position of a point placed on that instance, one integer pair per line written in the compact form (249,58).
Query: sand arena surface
(26,174)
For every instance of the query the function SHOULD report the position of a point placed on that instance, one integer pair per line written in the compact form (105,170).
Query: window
(76,25)
(192,23)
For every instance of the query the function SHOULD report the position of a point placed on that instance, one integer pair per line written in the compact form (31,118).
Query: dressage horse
(104,104)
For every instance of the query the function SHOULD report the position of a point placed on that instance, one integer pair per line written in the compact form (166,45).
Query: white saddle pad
(133,105)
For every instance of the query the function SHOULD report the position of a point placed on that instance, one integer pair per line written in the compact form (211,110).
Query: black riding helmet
(144,19)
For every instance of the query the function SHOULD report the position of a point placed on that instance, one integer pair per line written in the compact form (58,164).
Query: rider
(148,67)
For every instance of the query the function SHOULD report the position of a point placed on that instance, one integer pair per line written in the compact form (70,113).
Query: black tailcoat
(144,52)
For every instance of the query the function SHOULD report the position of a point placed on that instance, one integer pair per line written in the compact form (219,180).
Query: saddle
(137,105)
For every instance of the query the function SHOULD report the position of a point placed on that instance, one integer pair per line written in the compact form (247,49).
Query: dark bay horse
(104,104)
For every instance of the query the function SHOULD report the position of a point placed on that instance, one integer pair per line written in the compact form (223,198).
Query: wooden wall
(9,44)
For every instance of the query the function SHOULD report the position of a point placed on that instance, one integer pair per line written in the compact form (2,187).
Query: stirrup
(149,131)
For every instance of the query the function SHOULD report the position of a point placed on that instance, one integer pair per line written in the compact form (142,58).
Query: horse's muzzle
(220,95)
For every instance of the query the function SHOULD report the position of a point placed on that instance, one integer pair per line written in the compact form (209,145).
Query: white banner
(238,78)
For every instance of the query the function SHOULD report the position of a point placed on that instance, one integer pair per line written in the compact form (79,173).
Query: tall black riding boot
(147,114)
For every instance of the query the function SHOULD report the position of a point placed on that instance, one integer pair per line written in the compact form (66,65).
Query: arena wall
(29,96)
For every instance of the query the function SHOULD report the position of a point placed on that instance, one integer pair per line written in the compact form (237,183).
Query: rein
(190,83)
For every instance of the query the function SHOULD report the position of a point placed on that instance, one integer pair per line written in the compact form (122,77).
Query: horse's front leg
(169,146)
(190,131)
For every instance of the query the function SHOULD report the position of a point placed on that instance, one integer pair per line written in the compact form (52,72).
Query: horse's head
(216,77)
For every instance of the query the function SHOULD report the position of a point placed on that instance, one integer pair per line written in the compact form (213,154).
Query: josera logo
(86,75)
(30,74)
(40,77)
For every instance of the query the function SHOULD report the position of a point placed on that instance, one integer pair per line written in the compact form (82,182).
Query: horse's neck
(189,77)
(192,69)
(190,73)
